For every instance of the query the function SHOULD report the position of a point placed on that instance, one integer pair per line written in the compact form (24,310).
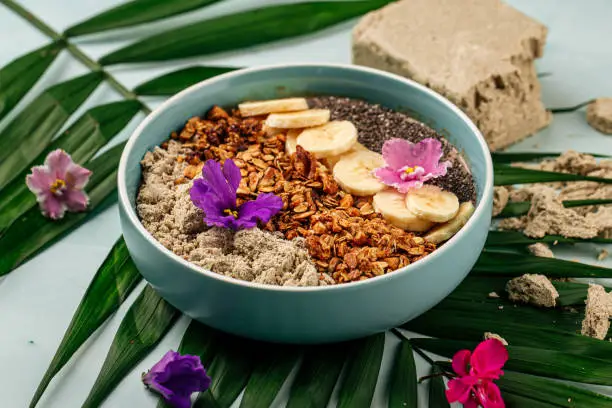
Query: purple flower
(58,185)
(409,165)
(176,377)
(215,194)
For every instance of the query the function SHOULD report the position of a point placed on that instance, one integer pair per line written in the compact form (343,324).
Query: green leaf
(437,395)
(403,390)
(144,325)
(176,81)
(519,401)
(33,232)
(31,131)
(571,293)
(240,30)
(135,12)
(504,238)
(537,361)
(271,371)
(361,373)
(504,175)
(20,75)
(571,108)
(518,208)
(109,288)
(230,371)
(317,376)
(82,140)
(504,158)
(199,340)
(551,392)
(494,263)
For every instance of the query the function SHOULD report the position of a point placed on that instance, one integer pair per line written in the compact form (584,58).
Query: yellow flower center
(57,186)
(231,212)
(409,170)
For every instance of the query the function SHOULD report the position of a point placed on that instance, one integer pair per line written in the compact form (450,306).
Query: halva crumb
(489,335)
(603,254)
(500,199)
(534,289)
(596,321)
(541,249)
(599,115)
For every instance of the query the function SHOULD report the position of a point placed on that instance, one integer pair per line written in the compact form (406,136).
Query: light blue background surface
(37,300)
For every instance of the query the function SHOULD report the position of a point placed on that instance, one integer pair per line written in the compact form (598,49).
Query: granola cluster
(344,236)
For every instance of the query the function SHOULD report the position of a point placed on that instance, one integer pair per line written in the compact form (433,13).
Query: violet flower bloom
(476,371)
(176,377)
(409,165)
(215,194)
(58,185)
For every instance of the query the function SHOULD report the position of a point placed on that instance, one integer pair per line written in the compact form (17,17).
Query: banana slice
(301,119)
(256,108)
(291,142)
(353,173)
(432,203)
(392,206)
(331,161)
(445,231)
(330,139)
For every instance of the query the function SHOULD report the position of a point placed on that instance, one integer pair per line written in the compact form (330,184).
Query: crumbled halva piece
(599,115)
(489,335)
(477,53)
(533,289)
(500,199)
(603,254)
(541,249)
(596,321)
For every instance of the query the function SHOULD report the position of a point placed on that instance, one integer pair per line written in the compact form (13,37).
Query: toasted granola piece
(534,289)
(597,313)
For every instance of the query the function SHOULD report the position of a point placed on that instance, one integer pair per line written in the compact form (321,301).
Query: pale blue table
(37,300)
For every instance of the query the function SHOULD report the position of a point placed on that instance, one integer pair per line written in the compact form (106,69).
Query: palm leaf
(82,140)
(240,30)
(109,288)
(403,392)
(271,371)
(504,158)
(133,13)
(518,208)
(175,81)
(27,135)
(144,325)
(20,75)
(317,376)
(508,264)
(505,238)
(504,175)
(363,364)
(437,395)
(32,232)
(230,371)
(537,361)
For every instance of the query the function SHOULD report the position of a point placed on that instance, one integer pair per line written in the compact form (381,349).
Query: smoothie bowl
(305,203)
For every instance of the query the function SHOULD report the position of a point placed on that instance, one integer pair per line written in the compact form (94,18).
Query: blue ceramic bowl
(306,314)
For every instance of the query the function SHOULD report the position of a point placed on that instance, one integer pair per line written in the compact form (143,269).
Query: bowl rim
(133,219)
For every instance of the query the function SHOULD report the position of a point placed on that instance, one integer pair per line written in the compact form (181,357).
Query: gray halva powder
(167,212)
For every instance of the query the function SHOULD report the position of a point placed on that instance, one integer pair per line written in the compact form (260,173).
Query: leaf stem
(73,50)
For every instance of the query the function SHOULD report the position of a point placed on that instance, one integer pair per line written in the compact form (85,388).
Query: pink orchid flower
(58,185)
(409,165)
(476,371)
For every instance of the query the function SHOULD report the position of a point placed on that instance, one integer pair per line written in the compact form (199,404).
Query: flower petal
(388,176)
(264,207)
(53,207)
(214,177)
(40,180)
(232,173)
(58,162)
(76,200)
(458,391)
(489,395)
(180,401)
(398,153)
(488,359)
(160,366)
(427,154)
(77,176)
(460,362)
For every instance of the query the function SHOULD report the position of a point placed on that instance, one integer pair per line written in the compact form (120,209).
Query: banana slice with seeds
(256,108)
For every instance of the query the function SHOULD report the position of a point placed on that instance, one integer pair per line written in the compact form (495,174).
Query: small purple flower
(58,185)
(215,194)
(176,377)
(409,165)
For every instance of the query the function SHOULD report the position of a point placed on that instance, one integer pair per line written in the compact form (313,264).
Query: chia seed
(377,124)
